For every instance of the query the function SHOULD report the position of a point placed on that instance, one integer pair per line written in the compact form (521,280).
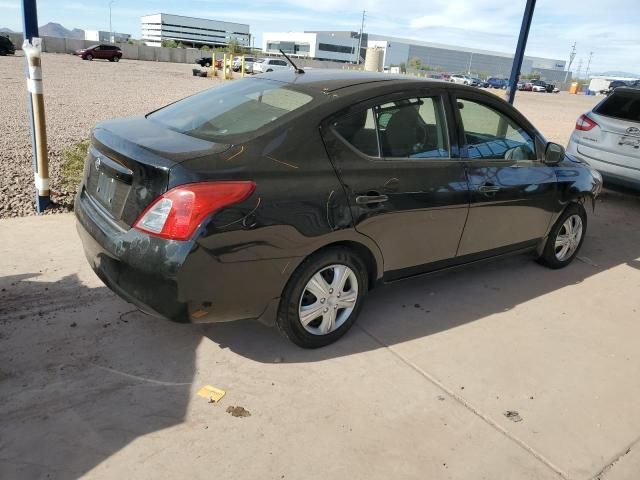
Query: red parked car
(107,52)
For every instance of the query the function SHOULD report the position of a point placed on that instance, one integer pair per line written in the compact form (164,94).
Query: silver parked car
(248,64)
(608,137)
(461,79)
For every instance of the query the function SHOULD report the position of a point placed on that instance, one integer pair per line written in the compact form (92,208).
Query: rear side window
(237,108)
(411,128)
(490,134)
(622,105)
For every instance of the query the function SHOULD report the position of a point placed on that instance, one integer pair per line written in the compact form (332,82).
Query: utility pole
(111,39)
(579,69)
(522,44)
(572,55)
(589,65)
(470,60)
(364,14)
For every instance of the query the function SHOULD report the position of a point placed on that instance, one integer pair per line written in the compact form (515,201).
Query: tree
(415,63)
(169,43)
(205,48)
(233,47)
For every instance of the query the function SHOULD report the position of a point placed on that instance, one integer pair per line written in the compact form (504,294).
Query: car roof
(329,80)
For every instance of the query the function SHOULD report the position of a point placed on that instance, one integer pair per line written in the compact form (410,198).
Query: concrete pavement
(90,387)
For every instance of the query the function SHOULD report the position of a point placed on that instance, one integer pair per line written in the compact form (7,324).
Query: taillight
(177,213)
(585,124)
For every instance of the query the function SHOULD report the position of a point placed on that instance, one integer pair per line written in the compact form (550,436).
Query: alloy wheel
(328,299)
(568,238)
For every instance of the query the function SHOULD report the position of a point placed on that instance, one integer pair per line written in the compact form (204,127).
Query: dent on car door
(513,193)
(406,190)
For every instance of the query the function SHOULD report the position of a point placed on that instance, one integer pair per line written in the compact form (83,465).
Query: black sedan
(290,196)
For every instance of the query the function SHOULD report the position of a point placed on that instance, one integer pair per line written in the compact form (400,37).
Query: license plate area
(106,189)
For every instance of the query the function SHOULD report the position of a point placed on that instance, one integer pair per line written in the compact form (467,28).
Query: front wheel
(89,57)
(566,237)
(323,298)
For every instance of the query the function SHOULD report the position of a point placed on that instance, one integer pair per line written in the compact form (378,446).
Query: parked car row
(621,83)
(251,64)
(537,86)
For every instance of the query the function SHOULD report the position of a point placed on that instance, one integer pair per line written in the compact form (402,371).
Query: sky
(608,29)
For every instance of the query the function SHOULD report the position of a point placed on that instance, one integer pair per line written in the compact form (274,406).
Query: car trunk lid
(128,165)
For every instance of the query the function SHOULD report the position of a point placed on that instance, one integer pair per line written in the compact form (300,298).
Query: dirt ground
(79,94)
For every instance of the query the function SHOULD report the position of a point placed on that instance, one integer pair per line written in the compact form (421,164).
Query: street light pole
(519,56)
(111,39)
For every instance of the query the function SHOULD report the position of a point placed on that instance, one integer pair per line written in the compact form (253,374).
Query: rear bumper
(180,281)
(608,164)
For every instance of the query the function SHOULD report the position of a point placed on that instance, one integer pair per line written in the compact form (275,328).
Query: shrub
(73,165)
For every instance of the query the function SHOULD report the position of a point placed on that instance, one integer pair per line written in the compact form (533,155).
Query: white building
(339,46)
(192,31)
(101,36)
(343,46)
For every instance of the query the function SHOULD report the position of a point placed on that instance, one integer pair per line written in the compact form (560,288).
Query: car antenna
(298,70)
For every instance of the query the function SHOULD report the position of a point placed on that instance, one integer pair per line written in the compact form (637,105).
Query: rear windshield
(622,105)
(241,107)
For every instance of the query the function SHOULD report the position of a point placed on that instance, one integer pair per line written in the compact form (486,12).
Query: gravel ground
(79,94)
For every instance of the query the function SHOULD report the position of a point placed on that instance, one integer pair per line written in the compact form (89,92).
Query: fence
(153,54)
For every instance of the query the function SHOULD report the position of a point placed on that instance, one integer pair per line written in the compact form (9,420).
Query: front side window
(237,108)
(491,135)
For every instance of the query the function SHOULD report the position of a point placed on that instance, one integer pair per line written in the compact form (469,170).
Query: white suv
(462,79)
(269,65)
(608,137)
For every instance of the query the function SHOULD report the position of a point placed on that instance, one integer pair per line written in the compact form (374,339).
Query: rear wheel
(116,58)
(206,64)
(565,238)
(323,298)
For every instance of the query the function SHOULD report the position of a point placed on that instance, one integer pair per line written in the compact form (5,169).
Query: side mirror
(553,153)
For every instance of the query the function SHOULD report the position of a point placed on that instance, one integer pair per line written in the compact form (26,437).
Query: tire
(552,254)
(89,57)
(324,265)
(116,58)
(206,64)
(270,70)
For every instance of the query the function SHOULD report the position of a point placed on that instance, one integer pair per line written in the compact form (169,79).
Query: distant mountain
(5,30)
(53,29)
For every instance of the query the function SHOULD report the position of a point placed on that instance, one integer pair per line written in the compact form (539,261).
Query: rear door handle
(488,188)
(371,199)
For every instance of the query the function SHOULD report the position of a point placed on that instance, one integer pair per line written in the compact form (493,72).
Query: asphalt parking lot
(503,370)
(419,389)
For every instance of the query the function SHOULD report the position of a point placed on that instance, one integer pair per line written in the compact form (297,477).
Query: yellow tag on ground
(212,393)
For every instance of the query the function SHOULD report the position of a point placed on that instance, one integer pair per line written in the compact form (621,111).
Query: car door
(405,182)
(513,193)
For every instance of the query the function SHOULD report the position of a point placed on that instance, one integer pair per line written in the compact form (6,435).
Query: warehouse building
(195,32)
(343,46)
(101,36)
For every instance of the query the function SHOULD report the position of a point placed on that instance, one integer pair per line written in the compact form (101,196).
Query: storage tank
(373,61)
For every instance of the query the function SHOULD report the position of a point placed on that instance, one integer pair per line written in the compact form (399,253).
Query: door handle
(488,188)
(371,199)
